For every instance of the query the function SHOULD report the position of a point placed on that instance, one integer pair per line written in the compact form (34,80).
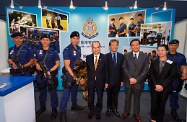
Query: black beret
(45,36)
(112,19)
(174,41)
(15,34)
(74,33)
(121,18)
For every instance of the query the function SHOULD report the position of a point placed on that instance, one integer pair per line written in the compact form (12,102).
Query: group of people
(112,70)
(33,41)
(158,37)
(133,29)
(55,22)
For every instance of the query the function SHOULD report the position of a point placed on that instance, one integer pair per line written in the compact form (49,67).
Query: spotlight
(71,5)
(12,4)
(106,6)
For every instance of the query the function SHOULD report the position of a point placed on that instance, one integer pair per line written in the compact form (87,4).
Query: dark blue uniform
(132,27)
(50,61)
(112,27)
(181,61)
(139,25)
(24,56)
(72,54)
(121,29)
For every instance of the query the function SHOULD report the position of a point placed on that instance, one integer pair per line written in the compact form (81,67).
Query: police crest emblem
(89,29)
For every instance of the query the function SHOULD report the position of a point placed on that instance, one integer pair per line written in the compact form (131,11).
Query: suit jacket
(114,72)
(166,76)
(99,73)
(135,69)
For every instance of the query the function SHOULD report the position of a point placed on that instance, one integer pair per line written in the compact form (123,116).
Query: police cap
(174,41)
(15,34)
(74,33)
(45,36)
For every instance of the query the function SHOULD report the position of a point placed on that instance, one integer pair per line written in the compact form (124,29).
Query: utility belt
(52,84)
(20,71)
(67,84)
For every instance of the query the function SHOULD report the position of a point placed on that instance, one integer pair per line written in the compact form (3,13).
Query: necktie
(114,58)
(96,62)
(135,57)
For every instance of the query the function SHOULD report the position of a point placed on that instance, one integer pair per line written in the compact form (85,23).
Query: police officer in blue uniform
(122,28)
(132,28)
(112,28)
(70,54)
(138,24)
(20,57)
(178,81)
(51,61)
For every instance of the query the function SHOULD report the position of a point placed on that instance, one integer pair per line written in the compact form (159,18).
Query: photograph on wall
(125,24)
(51,19)
(31,37)
(18,18)
(154,34)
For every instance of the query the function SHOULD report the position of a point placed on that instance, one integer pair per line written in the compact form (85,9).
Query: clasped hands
(159,88)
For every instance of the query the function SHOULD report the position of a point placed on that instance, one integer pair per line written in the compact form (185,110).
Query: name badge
(74,53)
(41,51)
(11,52)
(169,61)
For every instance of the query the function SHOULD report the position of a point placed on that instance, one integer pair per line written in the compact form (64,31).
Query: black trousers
(91,96)
(158,102)
(112,97)
(136,93)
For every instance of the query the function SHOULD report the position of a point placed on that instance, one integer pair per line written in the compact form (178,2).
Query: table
(17,99)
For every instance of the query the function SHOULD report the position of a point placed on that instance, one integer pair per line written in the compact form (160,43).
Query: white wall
(180,33)
(3,46)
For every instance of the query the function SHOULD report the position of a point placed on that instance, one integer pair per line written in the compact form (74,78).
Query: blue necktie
(135,57)
(114,58)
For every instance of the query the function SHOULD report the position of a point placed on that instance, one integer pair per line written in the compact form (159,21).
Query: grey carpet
(81,116)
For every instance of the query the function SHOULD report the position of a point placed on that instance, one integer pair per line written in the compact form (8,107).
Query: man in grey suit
(135,67)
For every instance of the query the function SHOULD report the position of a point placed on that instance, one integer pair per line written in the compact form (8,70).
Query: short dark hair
(125,50)
(113,40)
(139,15)
(113,19)
(163,45)
(134,41)
(121,18)
(153,51)
(131,18)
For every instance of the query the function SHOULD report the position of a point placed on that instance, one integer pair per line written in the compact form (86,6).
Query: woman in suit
(162,72)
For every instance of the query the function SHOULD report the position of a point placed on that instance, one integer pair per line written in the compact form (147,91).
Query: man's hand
(133,81)
(82,81)
(10,61)
(184,77)
(158,88)
(14,66)
(106,85)
(47,73)
(122,83)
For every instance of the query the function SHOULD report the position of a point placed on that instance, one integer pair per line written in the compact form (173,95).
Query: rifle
(18,64)
(45,70)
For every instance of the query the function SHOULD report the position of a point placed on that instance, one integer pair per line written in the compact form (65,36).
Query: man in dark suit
(114,77)
(136,67)
(96,64)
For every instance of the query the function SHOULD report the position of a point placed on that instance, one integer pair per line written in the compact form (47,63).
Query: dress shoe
(175,115)
(53,113)
(108,113)
(76,107)
(138,118)
(90,115)
(98,116)
(125,115)
(40,111)
(116,113)
(63,117)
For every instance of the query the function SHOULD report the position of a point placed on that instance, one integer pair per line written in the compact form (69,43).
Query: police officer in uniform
(70,54)
(51,61)
(122,30)
(159,36)
(132,28)
(112,28)
(178,81)
(20,54)
(138,24)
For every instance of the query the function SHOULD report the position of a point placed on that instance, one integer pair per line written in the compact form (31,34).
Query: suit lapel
(99,61)
(131,57)
(92,63)
(164,68)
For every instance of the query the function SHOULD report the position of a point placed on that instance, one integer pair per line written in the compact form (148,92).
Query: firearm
(45,70)
(16,61)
